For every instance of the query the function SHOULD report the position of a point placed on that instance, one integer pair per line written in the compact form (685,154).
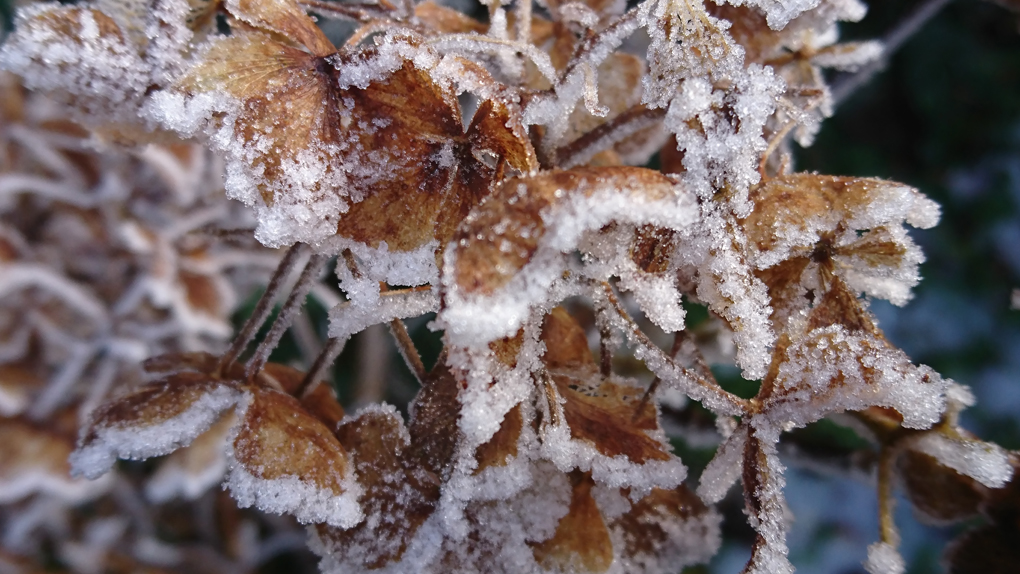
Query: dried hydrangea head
(490,172)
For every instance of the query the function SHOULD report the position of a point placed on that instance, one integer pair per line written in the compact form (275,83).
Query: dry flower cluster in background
(478,166)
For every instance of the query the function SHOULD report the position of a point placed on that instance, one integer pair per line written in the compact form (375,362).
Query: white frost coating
(46,482)
(778,13)
(289,494)
(849,60)
(725,282)
(658,298)
(104,75)
(172,481)
(407,268)
(883,558)
(349,319)
(870,373)
(475,320)
(770,522)
(985,462)
(619,471)
(689,53)
(724,468)
(141,442)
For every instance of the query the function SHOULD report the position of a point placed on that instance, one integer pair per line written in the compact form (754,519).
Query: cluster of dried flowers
(481,167)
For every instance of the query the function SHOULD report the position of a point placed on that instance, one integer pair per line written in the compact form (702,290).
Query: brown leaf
(581,542)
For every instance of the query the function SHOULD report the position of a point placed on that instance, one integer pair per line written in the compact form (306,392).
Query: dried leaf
(34,460)
(581,542)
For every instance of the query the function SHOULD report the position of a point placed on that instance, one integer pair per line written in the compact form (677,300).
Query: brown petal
(35,460)
(989,549)
(603,414)
(939,493)
(503,233)
(204,293)
(439,18)
(397,499)
(652,248)
(566,344)
(502,447)
(667,527)
(283,102)
(839,306)
(433,427)
(17,384)
(498,128)
(287,461)
(581,542)
(154,420)
(284,17)
(191,471)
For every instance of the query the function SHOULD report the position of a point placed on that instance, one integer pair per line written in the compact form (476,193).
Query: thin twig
(334,347)
(886,503)
(893,41)
(605,351)
(294,303)
(736,403)
(678,341)
(263,308)
(407,349)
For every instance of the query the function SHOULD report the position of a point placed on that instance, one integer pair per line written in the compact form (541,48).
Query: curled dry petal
(851,225)
(287,461)
(35,460)
(152,421)
(510,250)
(190,472)
(666,530)
(397,499)
(581,542)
